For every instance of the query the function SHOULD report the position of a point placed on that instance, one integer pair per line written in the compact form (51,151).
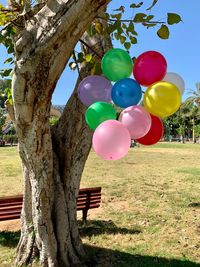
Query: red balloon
(154,134)
(149,67)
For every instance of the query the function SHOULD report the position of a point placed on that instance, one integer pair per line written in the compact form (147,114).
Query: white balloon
(175,79)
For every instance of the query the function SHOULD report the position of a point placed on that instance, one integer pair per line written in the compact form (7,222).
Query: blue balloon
(126,92)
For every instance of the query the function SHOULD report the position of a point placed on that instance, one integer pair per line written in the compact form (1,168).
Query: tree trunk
(193,131)
(52,161)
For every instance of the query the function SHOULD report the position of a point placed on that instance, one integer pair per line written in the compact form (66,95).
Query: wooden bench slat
(11,199)
(91,195)
(10,217)
(10,212)
(84,203)
(92,189)
(17,207)
(10,204)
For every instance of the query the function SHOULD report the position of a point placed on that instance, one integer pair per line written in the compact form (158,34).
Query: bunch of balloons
(112,137)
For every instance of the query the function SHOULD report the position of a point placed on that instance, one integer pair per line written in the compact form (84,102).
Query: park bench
(88,198)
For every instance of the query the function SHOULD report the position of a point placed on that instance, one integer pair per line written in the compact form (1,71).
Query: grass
(149,215)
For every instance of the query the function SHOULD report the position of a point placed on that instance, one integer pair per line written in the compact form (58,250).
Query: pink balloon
(149,67)
(111,140)
(137,120)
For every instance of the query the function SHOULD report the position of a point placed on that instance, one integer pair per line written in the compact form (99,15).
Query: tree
(194,102)
(2,119)
(45,35)
(5,91)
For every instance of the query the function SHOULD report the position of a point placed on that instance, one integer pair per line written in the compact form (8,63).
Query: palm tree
(194,95)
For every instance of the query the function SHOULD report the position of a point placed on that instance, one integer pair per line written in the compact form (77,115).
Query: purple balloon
(94,89)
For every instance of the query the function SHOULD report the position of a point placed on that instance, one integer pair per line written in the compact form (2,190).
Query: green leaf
(99,27)
(133,40)
(124,26)
(122,39)
(10,50)
(136,5)
(5,73)
(88,57)
(127,45)
(152,5)
(163,32)
(8,60)
(117,16)
(80,57)
(106,16)
(173,18)
(150,17)
(121,8)
(117,36)
(139,17)
(131,27)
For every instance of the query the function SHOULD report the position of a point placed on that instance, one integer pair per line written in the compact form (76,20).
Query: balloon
(154,134)
(149,67)
(162,99)
(117,64)
(175,79)
(93,89)
(99,112)
(126,92)
(111,140)
(137,120)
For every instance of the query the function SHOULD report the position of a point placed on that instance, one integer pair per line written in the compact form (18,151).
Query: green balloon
(98,113)
(117,64)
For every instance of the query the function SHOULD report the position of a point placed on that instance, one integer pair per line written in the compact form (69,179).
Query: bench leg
(85,211)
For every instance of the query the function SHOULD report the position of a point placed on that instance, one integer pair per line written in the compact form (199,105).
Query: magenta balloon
(111,140)
(137,120)
(94,89)
(149,67)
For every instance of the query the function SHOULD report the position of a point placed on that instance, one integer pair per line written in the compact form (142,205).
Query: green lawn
(150,212)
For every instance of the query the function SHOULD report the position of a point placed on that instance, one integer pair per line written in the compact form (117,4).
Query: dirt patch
(13,225)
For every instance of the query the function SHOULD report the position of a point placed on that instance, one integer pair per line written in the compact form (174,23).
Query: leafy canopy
(118,26)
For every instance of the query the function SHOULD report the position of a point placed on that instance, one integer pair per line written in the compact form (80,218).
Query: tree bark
(52,161)
(193,131)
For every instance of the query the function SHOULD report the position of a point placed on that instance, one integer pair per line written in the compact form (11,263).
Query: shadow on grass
(101,257)
(194,205)
(94,227)
(9,239)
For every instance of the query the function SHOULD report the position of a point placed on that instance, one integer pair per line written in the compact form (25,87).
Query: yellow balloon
(162,99)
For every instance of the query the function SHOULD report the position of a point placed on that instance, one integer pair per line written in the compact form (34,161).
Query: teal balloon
(117,64)
(98,113)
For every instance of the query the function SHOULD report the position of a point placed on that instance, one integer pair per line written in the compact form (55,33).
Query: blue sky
(181,50)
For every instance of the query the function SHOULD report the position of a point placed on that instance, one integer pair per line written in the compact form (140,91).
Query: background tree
(194,102)
(2,120)
(43,36)
(5,91)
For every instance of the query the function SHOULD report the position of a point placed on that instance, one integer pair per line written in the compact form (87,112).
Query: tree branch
(95,52)
(75,59)
(131,20)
